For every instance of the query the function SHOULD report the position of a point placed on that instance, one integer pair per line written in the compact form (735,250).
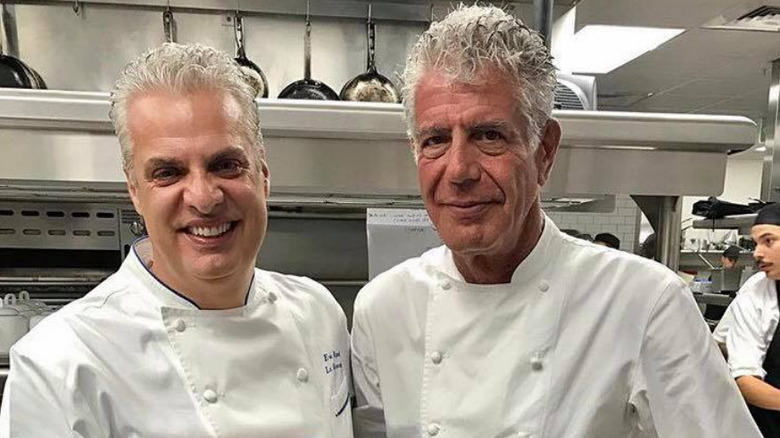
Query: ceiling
(703,71)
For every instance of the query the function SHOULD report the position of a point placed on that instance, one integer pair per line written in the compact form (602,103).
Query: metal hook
(308,5)
(76,7)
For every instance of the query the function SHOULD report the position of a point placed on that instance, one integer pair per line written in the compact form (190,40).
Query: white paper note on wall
(395,235)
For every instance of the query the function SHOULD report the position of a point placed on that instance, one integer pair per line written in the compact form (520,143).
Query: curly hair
(474,39)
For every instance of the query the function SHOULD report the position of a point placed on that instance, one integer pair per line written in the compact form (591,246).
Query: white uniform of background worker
(752,340)
(514,329)
(188,339)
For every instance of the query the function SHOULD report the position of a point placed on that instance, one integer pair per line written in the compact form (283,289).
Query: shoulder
(758,291)
(59,337)
(615,264)
(301,292)
(406,277)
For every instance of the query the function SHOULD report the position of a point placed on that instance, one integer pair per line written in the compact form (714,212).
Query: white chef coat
(584,342)
(725,323)
(135,359)
(754,320)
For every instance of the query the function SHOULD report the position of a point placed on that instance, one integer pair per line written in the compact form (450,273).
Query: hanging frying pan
(370,86)
(13,72)
(254,75)
(308,88)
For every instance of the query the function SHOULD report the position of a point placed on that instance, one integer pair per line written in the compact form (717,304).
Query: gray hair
(180,69)
(474,39)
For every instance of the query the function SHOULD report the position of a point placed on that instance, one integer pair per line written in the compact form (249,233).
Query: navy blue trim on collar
(346,403)
(246,296)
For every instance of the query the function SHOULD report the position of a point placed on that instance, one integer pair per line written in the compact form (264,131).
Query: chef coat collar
(528,269)
(138,263)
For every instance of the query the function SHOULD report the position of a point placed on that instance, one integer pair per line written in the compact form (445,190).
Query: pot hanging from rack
(370,86)
(308,88)
(252,71)
(14,73)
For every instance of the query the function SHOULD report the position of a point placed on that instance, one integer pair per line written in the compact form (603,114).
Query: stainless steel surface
(716,299)
(59,226)
(10,42)
(742,223)
(87,51)
(668,232)
(770,176)
(359,150)
(389,10)
(543,19)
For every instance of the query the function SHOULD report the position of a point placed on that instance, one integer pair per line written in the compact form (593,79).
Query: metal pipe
(770,175)
(543,19)
(668,231)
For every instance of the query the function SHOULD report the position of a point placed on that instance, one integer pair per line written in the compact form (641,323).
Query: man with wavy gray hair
(512,328)
(188,338)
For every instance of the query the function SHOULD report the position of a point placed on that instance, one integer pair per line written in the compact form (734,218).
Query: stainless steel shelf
(743,223)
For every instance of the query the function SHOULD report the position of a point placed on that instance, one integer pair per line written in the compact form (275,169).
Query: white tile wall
(622,222)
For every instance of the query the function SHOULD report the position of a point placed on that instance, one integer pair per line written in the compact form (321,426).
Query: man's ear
(266,173)
(547,150)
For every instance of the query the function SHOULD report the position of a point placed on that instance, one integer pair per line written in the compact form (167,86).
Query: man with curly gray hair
(188,338)
(512,328)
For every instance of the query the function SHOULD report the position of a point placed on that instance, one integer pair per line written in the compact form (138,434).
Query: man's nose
(758,253)
(203,193)
(463,166)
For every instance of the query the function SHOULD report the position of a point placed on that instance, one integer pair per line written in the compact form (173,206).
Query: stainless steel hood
(61,145)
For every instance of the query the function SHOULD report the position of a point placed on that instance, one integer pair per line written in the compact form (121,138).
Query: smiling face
(767,252)
(196,185)
(479,178)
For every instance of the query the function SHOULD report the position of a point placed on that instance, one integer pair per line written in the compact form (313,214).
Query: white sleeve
(682,387)
(722,329)
(32,403)
(747,341)
(368,416)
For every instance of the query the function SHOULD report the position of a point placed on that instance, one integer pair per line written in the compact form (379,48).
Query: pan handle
(168,26)
(238,27)
(371,33)
(307,46)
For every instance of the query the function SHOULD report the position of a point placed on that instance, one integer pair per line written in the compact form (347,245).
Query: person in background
(188,338)
(607,239)
(752,340)
(730,257)
(512,328)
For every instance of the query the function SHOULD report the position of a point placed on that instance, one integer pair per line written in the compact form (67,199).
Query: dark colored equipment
(254,74)
(370,86)
(16,74)
(308,88)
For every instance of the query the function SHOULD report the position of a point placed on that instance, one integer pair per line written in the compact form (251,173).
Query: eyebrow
(499,125)
(432,131)
(230,152)
(155,163)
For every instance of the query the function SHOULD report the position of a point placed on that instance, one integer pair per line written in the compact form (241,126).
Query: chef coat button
(544,286)
(272,297)
(536,363)
(436,357)
(179,325)
(302,375)
(210,395)
(446,285)
(433,429)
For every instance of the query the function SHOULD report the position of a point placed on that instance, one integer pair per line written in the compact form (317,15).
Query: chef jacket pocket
(341,414)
